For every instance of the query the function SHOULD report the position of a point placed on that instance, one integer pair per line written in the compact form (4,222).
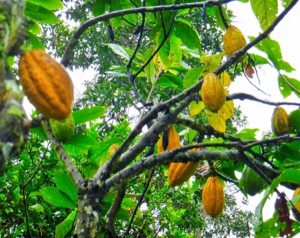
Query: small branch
(222,16)
(63,155)
(77,34)
(243,96)
(236,182)
(254,85)
(139,203)
(111,215)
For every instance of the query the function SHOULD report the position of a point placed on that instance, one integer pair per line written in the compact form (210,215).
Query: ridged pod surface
(213,199)
(46,84)
(233,40)
(173,141)
(212,92)
(63,130)
(252,182)
(181,172)
(297,206)
(280,122)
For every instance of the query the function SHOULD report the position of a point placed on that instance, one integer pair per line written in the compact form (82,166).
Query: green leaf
(64,227)
(170,80)
(34,28)
(39,131)
(265,11)
(286,3)
(295,121)
(192,77)
(48,4)
(99,7)
(65,184)
(188,35)
(195,185)
(196,108)
(247,134)
(40,14)
(212,62)
(56,197)
(272,49)
(119,50)
(33,43)
(284,83)
(259,60)
(150,69)
(83,141)
(88,114)
(37,208)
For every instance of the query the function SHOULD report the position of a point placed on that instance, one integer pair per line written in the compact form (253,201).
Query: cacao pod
(181,172)
(233,40)
(213,94)
(251,181)
(280,122)
(213,199)
(173,141)
(63,130)
(46,84)
(297,206)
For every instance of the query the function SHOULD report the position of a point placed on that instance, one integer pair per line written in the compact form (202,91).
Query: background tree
(150,58)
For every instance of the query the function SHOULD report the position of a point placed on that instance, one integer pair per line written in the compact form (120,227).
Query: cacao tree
(154,125)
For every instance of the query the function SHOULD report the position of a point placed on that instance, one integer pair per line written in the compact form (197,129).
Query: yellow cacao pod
(173,141)
(181,172)
(213,199)
(212,92)
(46,84)
(280,122)
(234,40)
(297,206)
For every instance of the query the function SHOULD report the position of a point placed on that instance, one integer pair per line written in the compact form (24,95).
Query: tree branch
(72,43)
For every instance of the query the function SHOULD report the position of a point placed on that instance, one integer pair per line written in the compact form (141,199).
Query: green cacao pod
(281,123)
(63,130)
(212,92)
(173,141)
(297,206)
(251,181)
(233,40)
(46,84)
(213,199)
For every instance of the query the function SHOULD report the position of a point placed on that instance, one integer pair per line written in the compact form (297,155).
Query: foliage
(149,63)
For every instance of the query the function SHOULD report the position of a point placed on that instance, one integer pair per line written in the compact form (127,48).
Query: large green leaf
(188,35)
(295,121)
(48,4)
(288,85)
(99,7)
(170,80)
(88,114)
(192,77)
(265,11)
(33,43)
(247,134)
(119,50)
(40,14)
(64,227)
(56,197)
(65,184)
(150,69)
(272,49)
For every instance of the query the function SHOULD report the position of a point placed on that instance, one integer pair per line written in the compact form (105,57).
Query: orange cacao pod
(213,197)
(234,40)
(46,84)
(280,122)
(213,94)
(173,141)
(181,172)
(297,206)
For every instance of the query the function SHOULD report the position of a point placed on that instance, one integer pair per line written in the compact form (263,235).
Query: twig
(111,215)
(243,96)
(259,156)
(77,34)
(222,16)
(139,203)
(236,182)
(24,194)
(254,84)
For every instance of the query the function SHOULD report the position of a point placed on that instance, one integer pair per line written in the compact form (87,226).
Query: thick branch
(63,155)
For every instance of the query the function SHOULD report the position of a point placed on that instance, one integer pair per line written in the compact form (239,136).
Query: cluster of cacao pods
(212,93)
(46,84)
(281,123)
(178,172)
(213,198)
(234,40)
